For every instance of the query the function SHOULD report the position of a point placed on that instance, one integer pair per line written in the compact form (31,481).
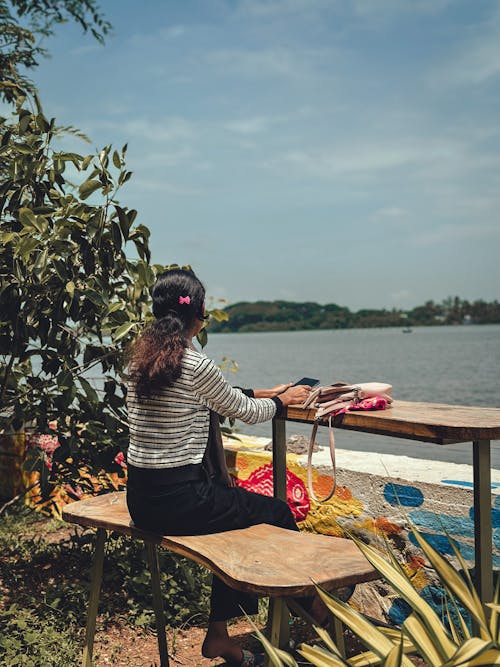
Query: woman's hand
(295,395)
(279,389)
(271,393)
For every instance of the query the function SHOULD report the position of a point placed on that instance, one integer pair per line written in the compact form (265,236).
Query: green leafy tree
(23,26)
(70,297)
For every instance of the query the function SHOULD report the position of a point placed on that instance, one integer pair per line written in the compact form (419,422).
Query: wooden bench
(262,559)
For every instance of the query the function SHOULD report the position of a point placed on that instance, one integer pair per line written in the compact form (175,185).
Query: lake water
(456,365)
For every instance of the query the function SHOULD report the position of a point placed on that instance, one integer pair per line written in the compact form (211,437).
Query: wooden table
(425,422)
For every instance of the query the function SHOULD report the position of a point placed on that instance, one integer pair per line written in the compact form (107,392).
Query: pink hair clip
(185,299)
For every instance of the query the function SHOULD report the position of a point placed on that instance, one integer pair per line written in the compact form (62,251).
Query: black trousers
(203,506)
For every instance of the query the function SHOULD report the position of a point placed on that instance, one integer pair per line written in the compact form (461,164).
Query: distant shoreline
(261,316)
(377,326)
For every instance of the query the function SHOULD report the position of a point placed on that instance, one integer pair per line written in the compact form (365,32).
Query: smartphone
(311,382)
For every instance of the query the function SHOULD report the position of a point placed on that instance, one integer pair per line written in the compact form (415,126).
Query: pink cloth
(372,403)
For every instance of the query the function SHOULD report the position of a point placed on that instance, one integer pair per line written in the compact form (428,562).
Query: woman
(178,483)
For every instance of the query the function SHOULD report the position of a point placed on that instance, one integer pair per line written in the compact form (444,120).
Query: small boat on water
(407,330)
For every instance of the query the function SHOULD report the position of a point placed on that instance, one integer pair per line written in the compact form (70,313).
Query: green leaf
(219,315)
(24,149)
(89,390)
(420,637)
(202,337)
(88,187)
(65,380)
(395,657)
(317,656)
(116,235)
(70,288)
(123,330)
(29,219)
(471,650)
(25,247)
(116,160)
(371,636)
(10,236)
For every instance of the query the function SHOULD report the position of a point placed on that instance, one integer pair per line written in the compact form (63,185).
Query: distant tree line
(292,316)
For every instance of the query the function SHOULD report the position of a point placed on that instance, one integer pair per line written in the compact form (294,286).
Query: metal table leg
(158,603)
(95,589)
(483,543)
(279,458)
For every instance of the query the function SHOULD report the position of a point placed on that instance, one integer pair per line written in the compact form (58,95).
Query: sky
(338,151)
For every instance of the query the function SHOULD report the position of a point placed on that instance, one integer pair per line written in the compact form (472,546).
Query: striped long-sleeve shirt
(170,429)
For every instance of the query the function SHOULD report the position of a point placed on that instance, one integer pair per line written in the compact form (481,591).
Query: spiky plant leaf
(366,631)
(395,657)
(426,645)
(277,657)
(319,657)
(327,640)
(491,657)
(365,659)
(451,623)
(470,650)
(404,587)
(394,635)
(454,583)
(369,634)
(495,610)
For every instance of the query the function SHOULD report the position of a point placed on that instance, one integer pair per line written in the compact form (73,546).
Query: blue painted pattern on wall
(403,494)
(455,525)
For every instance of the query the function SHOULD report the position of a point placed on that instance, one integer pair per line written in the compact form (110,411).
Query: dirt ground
(140,648)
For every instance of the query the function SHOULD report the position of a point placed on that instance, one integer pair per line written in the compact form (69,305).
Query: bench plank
(261,559)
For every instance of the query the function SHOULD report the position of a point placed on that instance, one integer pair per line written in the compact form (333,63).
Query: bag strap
(331,441)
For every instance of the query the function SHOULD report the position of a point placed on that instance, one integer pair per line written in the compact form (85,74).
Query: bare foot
(217,644)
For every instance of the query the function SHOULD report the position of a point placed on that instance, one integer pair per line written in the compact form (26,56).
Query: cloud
(272,62)
(390,214)
(251,125)
(172,32)
(166,158)
(392,8)
(401,297)
(86,49)
(264,9)
(161,187)
(450,233)
(476,59)
(169,129)
(333,162)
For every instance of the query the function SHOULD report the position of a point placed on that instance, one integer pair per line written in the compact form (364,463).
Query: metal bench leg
(278,628)
(337,630)
(95,589)
(154,568)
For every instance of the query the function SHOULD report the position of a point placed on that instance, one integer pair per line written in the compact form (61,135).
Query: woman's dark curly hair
(155,357)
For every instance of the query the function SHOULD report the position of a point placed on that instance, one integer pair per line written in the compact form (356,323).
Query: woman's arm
(272,393)
(215,392)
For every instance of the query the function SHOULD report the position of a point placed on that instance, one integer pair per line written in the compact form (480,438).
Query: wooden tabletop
(429,422)
(262,559)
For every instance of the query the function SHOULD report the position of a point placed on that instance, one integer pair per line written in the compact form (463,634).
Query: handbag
(336,399)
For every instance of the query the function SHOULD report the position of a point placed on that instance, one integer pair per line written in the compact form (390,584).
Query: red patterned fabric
(261,481)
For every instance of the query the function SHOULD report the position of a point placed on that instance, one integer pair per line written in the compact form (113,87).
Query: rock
(296,444)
